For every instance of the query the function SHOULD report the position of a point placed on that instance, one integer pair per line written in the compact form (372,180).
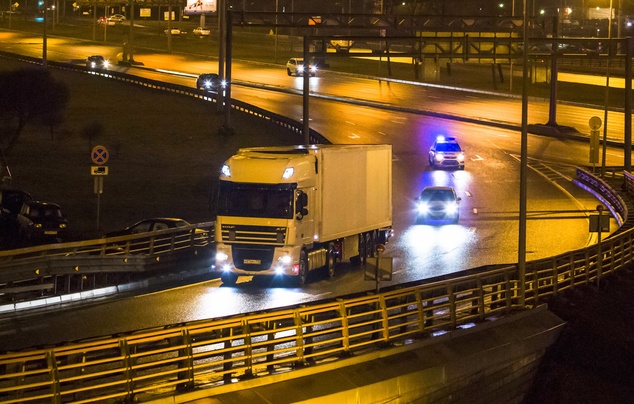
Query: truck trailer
(285,211)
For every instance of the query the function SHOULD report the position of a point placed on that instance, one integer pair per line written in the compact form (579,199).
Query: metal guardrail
(57,267)
(215,352)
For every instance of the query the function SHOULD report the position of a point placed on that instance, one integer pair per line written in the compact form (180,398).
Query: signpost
(599,223)
(99,155)
(595,124)
(378,268)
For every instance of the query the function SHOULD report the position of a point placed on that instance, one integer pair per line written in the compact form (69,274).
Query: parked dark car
(11,201)
(41,222)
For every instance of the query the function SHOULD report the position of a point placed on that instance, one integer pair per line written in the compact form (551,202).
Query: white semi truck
(285,211)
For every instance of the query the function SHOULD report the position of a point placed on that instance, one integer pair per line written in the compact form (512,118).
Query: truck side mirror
(300,205)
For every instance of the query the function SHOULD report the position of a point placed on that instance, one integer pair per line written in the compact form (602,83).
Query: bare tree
(91,132)
(29,95)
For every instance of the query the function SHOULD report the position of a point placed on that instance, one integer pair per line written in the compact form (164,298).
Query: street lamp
(607,92)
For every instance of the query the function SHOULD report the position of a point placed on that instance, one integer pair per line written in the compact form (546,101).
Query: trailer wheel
(331,260)
(228,278)
(300,279)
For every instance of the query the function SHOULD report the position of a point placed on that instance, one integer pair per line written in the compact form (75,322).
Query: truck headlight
(221,257)
(285,259)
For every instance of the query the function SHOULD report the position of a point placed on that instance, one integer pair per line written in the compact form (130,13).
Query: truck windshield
(255,200)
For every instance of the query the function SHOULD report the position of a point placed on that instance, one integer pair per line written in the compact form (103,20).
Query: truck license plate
(252,262)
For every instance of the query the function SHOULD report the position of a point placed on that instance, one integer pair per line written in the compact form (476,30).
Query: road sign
(381,266)
(99,170)
(595,226)
(595,123)
(99,154)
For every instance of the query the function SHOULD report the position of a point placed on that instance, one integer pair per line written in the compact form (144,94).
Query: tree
(91,132)
(29,95)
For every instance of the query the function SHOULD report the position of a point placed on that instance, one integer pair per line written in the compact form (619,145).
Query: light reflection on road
(445,245)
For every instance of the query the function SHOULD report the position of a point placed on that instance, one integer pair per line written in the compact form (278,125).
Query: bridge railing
(212,353)
(54,268)
(215,352)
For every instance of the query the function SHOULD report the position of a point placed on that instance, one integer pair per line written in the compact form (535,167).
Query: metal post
(600,247)
(521,250)
(222,29)
(306,91)
(627,136)
(227,129)
(44,52)
(552,110)
(607,93)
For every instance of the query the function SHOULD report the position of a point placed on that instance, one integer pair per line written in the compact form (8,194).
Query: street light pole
(44,51)
(521,249)
(607,93)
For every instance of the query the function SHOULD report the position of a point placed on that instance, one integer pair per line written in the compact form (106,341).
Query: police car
(446,152)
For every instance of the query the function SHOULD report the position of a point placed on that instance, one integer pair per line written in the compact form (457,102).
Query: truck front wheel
(229,278)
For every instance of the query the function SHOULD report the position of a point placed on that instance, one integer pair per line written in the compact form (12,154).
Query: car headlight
(461,157)
(313,69)
(300,68)
(423,208)
(439,157)
(221,257)
(451,209)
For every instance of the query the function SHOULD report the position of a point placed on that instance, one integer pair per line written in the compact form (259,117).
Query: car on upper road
(209,82)
(296,66)
(97,62)
(141,245)
(41,222)
(105,21)
(437,204)
(202,31)
(151,224)
(116,18)
(174,31)
(446,152)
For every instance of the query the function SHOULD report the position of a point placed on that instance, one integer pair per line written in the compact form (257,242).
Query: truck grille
(252,258)
(269,235)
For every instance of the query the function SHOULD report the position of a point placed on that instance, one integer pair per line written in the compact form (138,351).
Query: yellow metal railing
(213,352)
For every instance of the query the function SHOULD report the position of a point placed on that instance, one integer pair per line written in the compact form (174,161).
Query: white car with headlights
(201,31)
(446,152)
(97,62)
(438,204)
(296,66)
